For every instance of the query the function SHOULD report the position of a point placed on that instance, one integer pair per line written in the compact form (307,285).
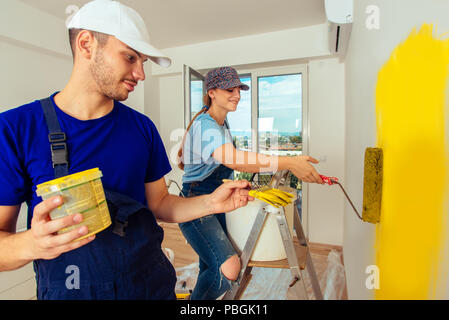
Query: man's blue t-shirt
(125,145)
(203,138)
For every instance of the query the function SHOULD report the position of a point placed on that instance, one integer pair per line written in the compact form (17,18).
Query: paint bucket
(82,193)
(269,246)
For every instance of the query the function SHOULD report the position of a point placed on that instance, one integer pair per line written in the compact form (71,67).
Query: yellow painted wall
(411,108)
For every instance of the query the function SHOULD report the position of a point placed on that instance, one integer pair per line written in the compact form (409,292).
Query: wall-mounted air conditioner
(340,17)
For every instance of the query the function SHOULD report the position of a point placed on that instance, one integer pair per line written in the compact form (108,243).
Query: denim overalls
(208,237)
(125,261)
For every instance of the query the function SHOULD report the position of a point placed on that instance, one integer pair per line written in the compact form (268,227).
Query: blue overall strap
(57,139)
(229,129)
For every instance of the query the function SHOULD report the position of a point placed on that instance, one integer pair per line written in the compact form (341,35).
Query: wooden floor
(184,255)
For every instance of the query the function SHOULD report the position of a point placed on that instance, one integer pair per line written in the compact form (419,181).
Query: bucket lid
(68,181)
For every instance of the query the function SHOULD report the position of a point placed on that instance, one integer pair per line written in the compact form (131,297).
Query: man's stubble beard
(102,73)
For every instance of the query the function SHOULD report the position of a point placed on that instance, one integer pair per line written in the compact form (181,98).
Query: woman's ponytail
(207,102)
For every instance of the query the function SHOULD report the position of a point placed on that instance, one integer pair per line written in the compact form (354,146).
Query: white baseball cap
(120,21)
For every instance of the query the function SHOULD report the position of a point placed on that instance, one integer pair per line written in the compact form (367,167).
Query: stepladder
(298,257)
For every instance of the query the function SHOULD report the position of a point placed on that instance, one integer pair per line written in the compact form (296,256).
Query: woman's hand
(300,166)
(230,196)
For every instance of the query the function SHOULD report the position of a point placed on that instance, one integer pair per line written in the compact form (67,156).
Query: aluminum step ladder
(298,259)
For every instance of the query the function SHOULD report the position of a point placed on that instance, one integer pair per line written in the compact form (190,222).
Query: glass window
(196,96)
(240,120)
(279,114)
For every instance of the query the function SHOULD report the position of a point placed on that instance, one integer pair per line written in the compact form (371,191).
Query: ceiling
(174,23)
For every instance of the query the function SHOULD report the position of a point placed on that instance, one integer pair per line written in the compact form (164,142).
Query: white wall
(171,97)
(262,48)
(29,26)
(151,96)
(367,52)
(327,143)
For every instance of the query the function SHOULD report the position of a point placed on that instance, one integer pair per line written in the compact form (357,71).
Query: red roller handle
(329,180)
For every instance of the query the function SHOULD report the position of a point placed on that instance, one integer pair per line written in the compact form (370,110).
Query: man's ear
(211,94)
(85,42)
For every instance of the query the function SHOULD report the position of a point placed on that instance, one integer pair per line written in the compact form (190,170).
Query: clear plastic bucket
(82,193)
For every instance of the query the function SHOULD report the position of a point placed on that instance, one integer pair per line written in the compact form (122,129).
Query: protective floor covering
(272,284)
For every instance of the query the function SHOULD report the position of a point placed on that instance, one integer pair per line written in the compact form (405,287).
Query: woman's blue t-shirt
(125,145)
(203,138)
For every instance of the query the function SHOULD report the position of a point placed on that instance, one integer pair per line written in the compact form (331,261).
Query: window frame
(256,73)
(187,75)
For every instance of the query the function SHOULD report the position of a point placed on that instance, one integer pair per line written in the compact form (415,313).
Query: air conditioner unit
(340,17)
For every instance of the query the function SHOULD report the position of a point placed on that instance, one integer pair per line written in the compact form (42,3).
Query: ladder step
(301,254)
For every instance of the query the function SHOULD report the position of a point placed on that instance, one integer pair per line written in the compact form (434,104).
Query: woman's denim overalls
(125,261)
(208,237)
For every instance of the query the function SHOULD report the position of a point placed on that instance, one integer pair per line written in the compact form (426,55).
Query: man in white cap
(86,126)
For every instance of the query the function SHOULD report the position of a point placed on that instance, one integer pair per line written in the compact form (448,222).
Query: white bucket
(269,247)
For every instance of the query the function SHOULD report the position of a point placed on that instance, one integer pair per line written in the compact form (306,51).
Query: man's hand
(45,243)
(230,196)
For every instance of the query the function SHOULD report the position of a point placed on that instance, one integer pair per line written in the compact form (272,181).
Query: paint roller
(372,185)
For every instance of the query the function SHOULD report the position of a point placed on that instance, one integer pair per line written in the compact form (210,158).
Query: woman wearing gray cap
(208,156)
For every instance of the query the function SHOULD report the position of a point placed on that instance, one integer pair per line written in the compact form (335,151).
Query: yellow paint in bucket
(82,193)
(411,107)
